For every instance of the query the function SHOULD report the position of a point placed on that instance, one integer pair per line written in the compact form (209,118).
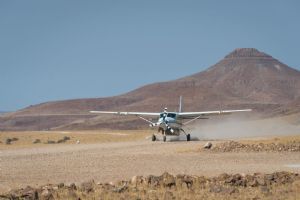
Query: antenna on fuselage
(180,104)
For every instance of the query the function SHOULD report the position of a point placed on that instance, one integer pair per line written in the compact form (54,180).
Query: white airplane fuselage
(169,123)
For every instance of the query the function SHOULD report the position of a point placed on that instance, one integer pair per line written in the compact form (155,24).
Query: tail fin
(180,104)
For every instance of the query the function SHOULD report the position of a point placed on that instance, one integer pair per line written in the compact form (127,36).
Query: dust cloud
(234,128)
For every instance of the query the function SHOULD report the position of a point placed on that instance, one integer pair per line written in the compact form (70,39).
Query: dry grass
(26,138)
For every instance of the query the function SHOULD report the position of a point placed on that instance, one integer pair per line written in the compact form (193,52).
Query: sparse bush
(66,138)
(61,141)
(8,141)
(36,141)
(14,139)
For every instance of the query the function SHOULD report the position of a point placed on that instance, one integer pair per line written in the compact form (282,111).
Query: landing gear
(164,134)
(153,138)
(188,137)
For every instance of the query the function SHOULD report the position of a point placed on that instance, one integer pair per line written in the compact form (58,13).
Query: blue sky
(64,49)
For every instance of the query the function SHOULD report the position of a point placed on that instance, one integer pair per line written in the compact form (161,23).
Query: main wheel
(153,138)
(188,137)
(164,138)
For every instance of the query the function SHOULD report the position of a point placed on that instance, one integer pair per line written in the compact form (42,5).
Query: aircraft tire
(165,138)
(153,138)
(188,137)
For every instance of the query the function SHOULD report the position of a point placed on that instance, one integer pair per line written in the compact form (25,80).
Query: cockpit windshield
(172,115)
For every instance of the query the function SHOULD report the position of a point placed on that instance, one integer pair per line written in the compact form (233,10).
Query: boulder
(73,186)
(208,145)
(29,193)
(87,186)
(121,188)
(153,181)
(168,180)
(47,195)
(61,185)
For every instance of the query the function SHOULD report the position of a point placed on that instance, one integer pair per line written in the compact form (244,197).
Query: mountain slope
(245,78)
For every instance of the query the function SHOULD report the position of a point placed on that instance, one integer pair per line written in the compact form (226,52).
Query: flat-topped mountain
(245,78)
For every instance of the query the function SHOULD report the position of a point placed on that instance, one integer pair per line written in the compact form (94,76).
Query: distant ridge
(245,78)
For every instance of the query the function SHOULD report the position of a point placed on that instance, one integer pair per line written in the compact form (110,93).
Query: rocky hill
(245,78)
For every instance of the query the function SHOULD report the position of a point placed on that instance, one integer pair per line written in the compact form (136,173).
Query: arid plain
(110,156)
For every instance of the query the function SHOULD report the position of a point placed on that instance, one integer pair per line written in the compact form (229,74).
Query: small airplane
(171,123)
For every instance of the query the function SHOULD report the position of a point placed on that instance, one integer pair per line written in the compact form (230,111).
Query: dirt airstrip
(102,160)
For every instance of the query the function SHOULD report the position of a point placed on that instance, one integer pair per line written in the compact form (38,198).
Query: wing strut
(199,117)
(151,123)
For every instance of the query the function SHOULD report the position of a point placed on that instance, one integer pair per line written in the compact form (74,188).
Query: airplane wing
(192,115)
(127,113)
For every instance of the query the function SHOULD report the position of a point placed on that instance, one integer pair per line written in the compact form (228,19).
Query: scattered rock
(153,181)
(133,180)
(184,180)
(10,140)
(73,186)
(261,181)
(50,142)
(121,188)
(29,193)
(208,145)
(167,186)
(232,146)
(168,180)
(61,185)
(46,195)
(87,186)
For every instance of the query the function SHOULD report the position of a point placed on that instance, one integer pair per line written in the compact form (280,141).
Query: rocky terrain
(278,185)
(234,146)
(245,78)
(112,156)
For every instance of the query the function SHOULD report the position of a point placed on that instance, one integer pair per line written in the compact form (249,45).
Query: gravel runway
(106,162)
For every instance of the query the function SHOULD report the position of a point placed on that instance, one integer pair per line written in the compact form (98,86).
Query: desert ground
(110,156)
